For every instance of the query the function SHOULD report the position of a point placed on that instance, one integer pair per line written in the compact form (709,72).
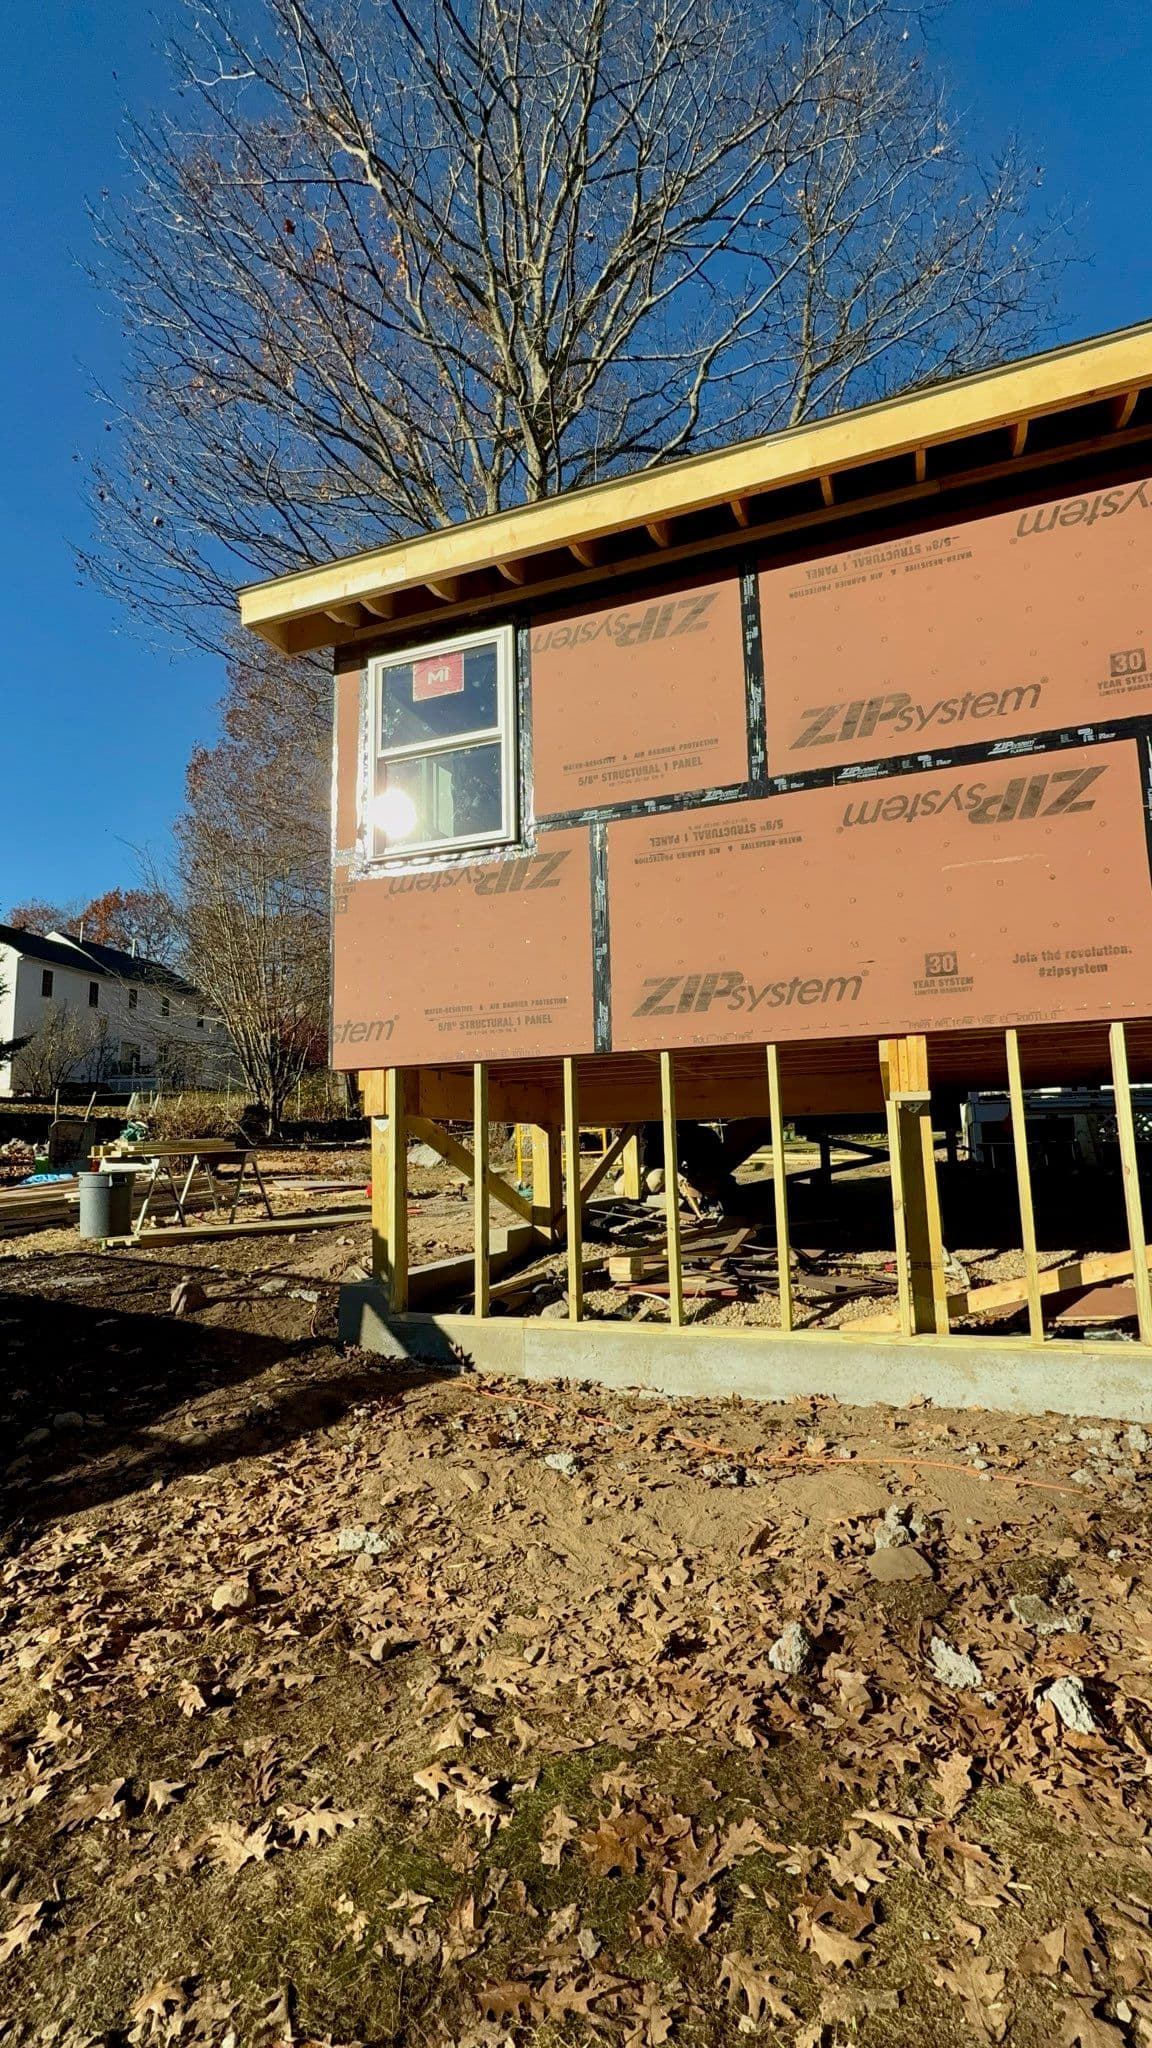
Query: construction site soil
(346,1702)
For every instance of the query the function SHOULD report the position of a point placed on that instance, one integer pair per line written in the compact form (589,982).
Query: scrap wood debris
(466,1711)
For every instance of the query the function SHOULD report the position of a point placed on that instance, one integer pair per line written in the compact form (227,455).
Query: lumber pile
(1003,1297)
(729,1261)
(54,1204)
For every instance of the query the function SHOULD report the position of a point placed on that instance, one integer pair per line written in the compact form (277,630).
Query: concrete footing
(1113,1380)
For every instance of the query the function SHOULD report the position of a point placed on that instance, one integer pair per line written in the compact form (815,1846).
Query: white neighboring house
(126,1022)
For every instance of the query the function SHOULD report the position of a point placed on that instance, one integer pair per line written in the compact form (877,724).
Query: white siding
(162,1024)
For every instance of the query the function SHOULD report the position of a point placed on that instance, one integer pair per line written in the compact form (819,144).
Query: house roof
(57,949)
(1090,396)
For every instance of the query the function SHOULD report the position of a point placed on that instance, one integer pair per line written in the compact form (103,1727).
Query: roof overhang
(1083,398)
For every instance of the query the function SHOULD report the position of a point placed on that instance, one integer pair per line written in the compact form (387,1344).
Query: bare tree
(251,880)
(67,1045)
(401,262)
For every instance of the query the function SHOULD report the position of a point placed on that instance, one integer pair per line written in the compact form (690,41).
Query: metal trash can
(105,1204)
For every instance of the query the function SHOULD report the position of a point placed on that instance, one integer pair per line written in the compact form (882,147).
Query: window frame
(503,734)
(93,995)
(47,984)
(133,998)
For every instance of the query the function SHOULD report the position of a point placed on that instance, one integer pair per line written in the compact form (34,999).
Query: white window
(443,757)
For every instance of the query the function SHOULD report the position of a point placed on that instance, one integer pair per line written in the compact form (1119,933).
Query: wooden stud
(780,1189)
(827,491)
(920,464)
(587,552)
(1019,437)
(445,587)
(480,1187)
(890,1076)
(1123,409)
(547,1184)
(741,511)
(513,571)
(920,1191)
(1130,1168)
(346,615)
(633,1170)
(572,1204)
(1024,1186)
(380,607)
(390,1193)
(661,532)
(671,1188)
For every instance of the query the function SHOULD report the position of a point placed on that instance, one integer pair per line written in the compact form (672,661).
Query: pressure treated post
(780,1189)
(921,1194)
(890,1077)
(1129,1166)
(573,1205)
(390,1192)
(480,1187)
(671,1188)
(915,1195)
(633,1170)
(1024,1186)
(547,1195)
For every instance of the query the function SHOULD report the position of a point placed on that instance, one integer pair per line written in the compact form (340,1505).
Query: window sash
(503,734)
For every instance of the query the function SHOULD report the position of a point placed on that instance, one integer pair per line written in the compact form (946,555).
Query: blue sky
(97,726)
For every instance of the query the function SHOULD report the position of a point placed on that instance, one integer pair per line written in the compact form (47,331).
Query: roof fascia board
(1076,375)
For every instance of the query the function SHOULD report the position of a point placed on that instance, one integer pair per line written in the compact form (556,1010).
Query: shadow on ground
(99,1400)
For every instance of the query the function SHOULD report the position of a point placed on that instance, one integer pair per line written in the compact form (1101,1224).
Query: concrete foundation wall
(1112,1380)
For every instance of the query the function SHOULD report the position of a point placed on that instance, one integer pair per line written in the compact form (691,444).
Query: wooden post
(480,1186)
(921,1194)
(390,1192)
(1129,1166)
(1024,1186)
(780,1189)
(671,1189)
(890,1076)
(547,1194)
(572,1203)
(633,1170)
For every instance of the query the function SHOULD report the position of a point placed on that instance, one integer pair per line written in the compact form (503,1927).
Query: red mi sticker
(440,675)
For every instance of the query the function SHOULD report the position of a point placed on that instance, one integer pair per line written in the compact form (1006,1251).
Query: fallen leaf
(98,1802)
(154,2004)
(861,1864)
(436,1781)
(318,1823)
(230,1844)
(29,1922)
(559,1830)
(832,1947)
(745,1980)
(162,1792)
(980,1990)
(615,1843)
(952,1783)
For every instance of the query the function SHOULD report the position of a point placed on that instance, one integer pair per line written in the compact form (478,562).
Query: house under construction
(805,779)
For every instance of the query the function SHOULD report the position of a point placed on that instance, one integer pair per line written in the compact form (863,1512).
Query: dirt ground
(349,1703)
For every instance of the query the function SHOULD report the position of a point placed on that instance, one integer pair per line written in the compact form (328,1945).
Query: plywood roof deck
(1088,398)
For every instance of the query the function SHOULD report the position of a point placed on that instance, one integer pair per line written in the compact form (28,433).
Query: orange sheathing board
(347,743)
(1008,624)
(642,699)
(913,903)
(491,961)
